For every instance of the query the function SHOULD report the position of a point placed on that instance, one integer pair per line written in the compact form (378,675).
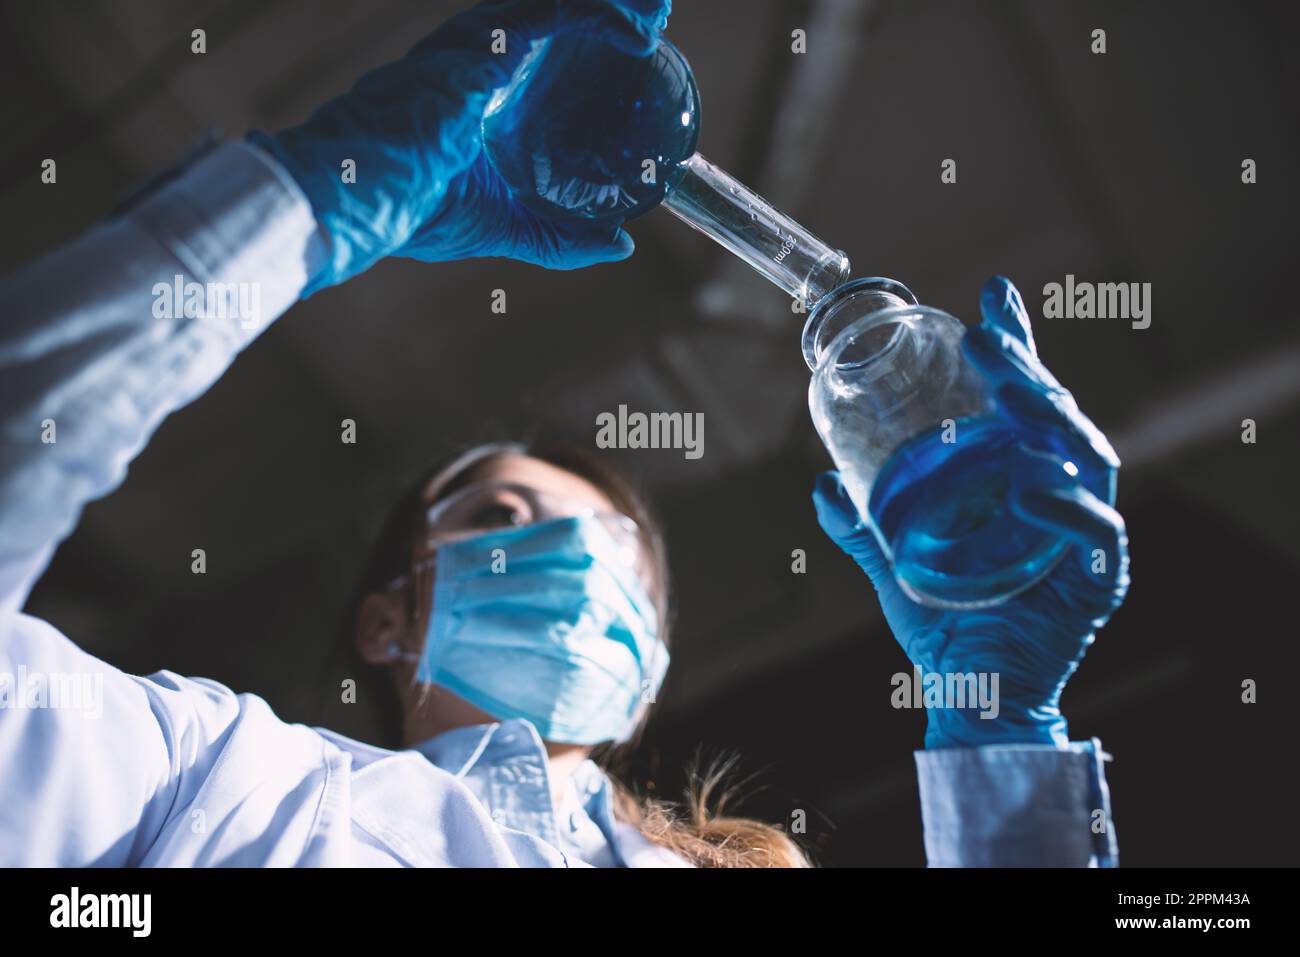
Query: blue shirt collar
(504,764)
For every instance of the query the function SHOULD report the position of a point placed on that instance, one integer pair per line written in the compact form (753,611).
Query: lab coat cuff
(239,225)
(1017,806)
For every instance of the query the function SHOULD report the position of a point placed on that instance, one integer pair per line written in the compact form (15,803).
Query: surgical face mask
(548,622)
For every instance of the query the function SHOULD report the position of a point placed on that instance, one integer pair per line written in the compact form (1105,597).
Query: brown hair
(695,828)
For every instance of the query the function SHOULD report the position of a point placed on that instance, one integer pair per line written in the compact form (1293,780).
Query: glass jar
(925,456)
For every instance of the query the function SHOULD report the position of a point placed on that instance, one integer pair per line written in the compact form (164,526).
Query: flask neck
(845,305)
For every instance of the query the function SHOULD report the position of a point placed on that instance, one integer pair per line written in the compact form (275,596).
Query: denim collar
(504,764)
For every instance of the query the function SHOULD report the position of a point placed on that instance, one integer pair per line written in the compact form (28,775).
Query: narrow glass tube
(732,214)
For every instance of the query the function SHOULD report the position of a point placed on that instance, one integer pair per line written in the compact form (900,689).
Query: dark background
(1120,167)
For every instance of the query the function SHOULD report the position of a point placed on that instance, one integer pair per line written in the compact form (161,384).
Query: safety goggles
(492,505)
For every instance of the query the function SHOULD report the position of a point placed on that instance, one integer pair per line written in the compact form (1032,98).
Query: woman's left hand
(1035,640)
(422,186)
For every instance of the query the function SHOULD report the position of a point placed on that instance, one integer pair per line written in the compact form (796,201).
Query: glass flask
(926,459)
(585,130)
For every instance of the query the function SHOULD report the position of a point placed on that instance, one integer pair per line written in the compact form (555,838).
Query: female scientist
(517,595)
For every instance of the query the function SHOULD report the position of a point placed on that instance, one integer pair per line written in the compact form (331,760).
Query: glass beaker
(585,130)
(925,457)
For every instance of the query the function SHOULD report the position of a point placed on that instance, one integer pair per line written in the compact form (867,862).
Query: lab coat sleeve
(94,353)
(1017,806)
(96,349)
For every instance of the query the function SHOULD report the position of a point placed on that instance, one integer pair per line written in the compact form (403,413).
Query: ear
(383,627)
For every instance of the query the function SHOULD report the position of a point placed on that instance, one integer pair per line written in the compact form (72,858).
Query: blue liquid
(943,511)
(572,133)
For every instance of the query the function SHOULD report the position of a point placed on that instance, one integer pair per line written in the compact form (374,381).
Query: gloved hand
(424,188)
(1035,640)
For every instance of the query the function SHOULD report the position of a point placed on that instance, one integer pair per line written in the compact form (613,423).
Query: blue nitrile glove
(424,188)
(1035,640)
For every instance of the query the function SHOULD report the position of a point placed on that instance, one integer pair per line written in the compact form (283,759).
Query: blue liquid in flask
(587,131)
(943,509)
